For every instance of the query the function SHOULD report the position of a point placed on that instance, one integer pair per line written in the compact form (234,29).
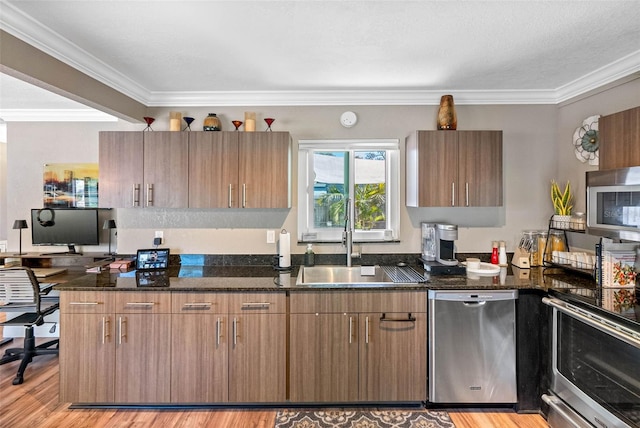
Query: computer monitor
(65,226)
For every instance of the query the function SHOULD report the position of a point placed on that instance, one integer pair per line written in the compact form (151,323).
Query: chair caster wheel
(18,381)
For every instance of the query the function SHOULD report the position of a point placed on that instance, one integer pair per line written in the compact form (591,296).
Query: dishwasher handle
(471,296)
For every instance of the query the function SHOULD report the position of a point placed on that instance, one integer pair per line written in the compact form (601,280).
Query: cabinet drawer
(198,303)
(358,301)
(257,303)
(87,302)
(143,302)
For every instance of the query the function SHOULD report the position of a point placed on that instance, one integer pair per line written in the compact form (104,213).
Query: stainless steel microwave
(613,203)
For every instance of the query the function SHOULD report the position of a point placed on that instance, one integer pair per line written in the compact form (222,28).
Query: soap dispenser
(309,256)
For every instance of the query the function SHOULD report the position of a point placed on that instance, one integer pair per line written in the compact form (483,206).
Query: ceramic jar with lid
(212,123)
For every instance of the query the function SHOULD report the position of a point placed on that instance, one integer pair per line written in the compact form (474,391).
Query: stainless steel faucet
(347,235)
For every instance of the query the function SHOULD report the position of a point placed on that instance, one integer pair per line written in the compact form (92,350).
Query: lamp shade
(109,224)
(20,224)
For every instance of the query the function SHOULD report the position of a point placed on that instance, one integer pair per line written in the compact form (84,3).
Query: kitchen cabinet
(393,340)
(352,346)
(239,170)
(143,337)
(324,357)
(105,337)
(257,347)
(87,347)
(143,169)
(199,350)
(454,169)
(620,139)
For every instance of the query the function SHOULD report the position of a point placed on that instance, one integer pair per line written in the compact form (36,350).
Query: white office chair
(20,292)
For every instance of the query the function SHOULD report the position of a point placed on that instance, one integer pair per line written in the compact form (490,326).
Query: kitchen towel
(284,249)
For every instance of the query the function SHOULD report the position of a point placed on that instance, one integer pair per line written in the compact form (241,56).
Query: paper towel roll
(284,249)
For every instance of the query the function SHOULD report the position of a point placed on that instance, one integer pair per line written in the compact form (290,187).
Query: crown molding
(30,31)
(55,115)
(616,70)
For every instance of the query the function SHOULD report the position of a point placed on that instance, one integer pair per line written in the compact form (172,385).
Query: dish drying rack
(574,261)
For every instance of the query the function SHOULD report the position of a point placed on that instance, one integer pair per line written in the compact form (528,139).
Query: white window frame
(306,228)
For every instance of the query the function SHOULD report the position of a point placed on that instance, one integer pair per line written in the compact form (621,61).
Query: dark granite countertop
(266,278)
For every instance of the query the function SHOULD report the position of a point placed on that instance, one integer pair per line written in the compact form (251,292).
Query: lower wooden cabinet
(340,352)
(393,356)
(198,348)
(324,357)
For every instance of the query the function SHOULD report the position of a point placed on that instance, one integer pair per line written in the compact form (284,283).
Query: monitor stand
(72,252)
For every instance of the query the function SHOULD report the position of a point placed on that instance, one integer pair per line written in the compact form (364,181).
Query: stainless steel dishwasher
(472,346)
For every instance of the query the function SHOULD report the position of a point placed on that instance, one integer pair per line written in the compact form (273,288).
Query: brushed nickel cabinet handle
(366,330)
(197,305)
(350,329)
(453,194)
(149,194)
(218,329)
(244,195)
(255,305)
(135,193)
(121,332)
(103,330)
(466,191)
(235,331)
(230,196)
(84,303)
(140,304)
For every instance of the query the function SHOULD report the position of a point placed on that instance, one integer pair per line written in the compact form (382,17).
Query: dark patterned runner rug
(363,419)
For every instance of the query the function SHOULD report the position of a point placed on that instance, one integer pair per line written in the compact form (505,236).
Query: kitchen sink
(353,276)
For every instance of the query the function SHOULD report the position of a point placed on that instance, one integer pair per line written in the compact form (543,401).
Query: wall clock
(586,141)
(348,119)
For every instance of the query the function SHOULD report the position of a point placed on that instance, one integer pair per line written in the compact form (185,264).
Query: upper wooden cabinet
(239,170)
(454,169)
(195,169)
(620,139)
(143,169)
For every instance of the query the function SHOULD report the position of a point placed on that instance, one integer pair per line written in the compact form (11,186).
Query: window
(365,173)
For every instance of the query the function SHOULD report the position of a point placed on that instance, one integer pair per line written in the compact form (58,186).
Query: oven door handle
(592,319)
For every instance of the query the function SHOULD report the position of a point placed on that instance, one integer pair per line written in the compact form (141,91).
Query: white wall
(536,149)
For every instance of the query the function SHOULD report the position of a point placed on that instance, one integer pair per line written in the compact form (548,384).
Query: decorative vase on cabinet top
(211,123)
(447,118)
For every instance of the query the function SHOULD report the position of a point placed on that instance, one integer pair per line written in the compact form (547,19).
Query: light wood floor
(35,404)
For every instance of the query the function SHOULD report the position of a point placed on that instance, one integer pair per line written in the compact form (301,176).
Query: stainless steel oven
(595,369)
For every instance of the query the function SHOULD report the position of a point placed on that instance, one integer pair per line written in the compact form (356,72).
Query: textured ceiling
(340,52)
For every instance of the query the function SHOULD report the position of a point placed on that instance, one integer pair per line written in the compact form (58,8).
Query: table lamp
(20,224)
(109,224)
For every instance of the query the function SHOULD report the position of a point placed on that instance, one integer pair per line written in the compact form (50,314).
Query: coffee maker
(446,234)
(445,256)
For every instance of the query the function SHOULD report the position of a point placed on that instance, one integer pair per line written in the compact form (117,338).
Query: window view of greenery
(332,187)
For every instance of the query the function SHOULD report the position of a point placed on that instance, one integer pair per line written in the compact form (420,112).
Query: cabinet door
(437,158)
(199,359)
(87,358)
(213,170)
(323,357)
(264,165)
(120,169)
(257,358)
(143,359)
(480,168)
(393,357)
(620,139)
(166,169)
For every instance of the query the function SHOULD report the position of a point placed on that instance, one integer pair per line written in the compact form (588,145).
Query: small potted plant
(562,205)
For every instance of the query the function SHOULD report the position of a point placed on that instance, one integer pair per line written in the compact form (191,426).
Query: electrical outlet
(271,236)
(159,234)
